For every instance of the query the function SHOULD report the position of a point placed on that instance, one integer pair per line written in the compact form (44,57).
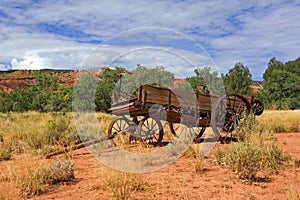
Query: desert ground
(186,178)
(180,181)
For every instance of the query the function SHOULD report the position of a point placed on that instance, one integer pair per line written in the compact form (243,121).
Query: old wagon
(142,115)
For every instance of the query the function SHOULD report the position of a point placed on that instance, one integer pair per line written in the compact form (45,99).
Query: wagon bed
(188,108)
(175,103)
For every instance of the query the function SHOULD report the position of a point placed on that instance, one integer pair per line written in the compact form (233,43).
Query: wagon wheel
(257,107)
(150,130)
(198,131)
(119,130)
(227,112)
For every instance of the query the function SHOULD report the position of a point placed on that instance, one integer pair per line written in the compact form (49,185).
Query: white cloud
(47,33)
(180,62)
(269,33)
(56,58)
(4,67)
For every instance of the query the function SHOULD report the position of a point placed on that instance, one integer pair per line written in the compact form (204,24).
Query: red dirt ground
(180,181)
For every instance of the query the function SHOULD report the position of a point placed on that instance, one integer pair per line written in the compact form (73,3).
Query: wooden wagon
(141,116)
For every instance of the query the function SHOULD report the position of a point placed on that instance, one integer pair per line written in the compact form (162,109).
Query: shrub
(245,127)
(297,162)
(255,151)
(59,131)
(124,184)
(199,167)
(39,180)
(285,157)
(5,151)
(247,158)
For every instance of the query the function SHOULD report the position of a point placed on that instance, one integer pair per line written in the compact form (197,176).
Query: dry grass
(12,173)
(104,120)
(5,151)
(25,136)
(25,132)
(20,124)
(9,190)
(121,185)
(30,175)
(29,129)
(34,132)
(256,151)
(280,121)
(113,184)
(293,193)
(41,179)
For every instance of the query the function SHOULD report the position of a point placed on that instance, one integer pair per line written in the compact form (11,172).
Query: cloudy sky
(177,34)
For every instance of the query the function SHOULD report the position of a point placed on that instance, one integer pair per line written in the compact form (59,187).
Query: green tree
(293,66)
(45,81)
(141,75)
(281,85)
(106,86)
(104,96)
(62,99)
(206,82)
(238,80)
(45,92)
(5,102)
(43,96)
(84,92)
(273,65)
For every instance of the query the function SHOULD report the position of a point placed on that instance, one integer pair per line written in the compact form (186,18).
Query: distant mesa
(11,79)
(178,82)
(5,89)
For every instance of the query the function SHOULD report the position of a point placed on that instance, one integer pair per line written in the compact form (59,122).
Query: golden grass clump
(255,151)
(27,175)
(122,184)
(280,121)
(41,179)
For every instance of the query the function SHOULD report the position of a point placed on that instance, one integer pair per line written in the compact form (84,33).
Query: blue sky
(38,34)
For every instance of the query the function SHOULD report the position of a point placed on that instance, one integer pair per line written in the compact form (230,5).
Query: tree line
(281,83)
(281,87)
(45,95)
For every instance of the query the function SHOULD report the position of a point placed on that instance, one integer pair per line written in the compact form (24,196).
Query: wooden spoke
(227,112)
(195,131)
(150,130)
(119,131)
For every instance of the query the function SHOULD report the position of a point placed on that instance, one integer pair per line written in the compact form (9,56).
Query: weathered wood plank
(114,108)
(150,95)
(178,99)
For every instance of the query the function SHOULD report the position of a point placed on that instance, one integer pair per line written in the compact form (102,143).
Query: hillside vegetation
(51,90)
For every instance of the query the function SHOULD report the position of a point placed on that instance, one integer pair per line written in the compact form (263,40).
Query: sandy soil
(180,181)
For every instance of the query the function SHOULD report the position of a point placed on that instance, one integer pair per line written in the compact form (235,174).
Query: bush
(5,151)
(124,184)
(245,127)
(255,151)
(59,131)
(248,158)
(297,162)
(199,166)
(39,180)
